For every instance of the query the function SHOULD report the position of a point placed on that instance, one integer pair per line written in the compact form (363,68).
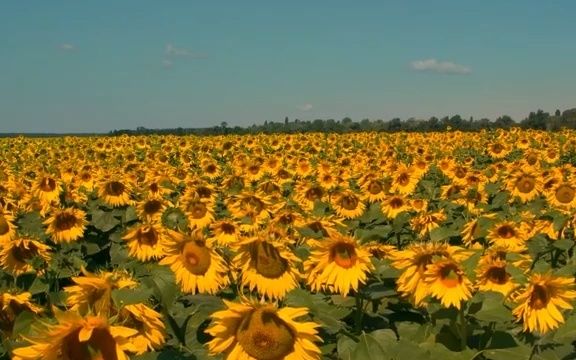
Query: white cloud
(167,64)
(305,107)
(171,53)
(66,46)
(442,67)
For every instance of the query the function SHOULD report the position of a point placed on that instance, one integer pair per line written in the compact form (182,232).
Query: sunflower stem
(463,329)
(359,314)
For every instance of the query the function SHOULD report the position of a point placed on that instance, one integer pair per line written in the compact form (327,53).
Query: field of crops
(359,246)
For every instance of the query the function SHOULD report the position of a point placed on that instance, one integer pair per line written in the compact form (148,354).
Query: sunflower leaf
(104,220)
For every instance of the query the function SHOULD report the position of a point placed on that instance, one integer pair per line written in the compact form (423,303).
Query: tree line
(539,120)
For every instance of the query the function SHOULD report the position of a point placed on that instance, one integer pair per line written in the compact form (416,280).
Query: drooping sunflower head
(541,302)
(263,332)
(93,292)
(151,329)
(47,189)
(7,226)
(76,337)
(66,225)
(11,305)
(145,242)
(17,255)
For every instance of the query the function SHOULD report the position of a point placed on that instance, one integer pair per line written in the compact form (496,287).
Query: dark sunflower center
(539,297)
(565,194)
(506,232)
(460,172)
(254,203)
(254,169)
(344,255)
(152,206)
(283,174)
(497,148)
(525,184)
(532,159)
(269,188)
(148,236)
(286,219)
(450,276)
(349,202)
(228,228)
(497,275)
(196,257)
(203,192)
(115,188)
(396,203)
(264,336)
(403,179)
(317,227)
(314,193)
(374,187)
(72,348)
(48,184)
(4,226)
(211,169)
(198,210)
(154,187)
(65,221)
(267,260)
(23,254)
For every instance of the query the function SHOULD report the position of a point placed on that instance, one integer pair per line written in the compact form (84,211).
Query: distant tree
(557,113)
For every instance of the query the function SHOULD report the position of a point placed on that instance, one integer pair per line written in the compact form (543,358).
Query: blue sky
(84,66)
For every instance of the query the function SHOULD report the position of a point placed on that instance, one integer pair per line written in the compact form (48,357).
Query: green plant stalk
(359,314)
(463,329)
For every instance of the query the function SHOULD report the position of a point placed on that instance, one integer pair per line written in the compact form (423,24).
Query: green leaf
(515,353)
(563,244)
(22,323)
(442,233)
(122,297)
(567,331)
(39,285)
(493,309)
(368,348)
(345,347)
(328,315)
(104,220)
(129,215)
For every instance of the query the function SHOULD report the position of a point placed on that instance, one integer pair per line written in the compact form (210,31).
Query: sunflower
(257,332)
(145,241)
(267,266)
(447,282)
(563,196)
(16,255)
(7,227)
(525,184)
(11,305)
(404,180)
(415,261)
(307,194)
(94,291)
(66,225)
(199,212)
(498,150)
(509,235)
(47,189)
(541,302)
(426,222)
(323,225)
(115,192)
(337,264)
(491,275)
(198,268)
(374,189)
(151,209)
(394,205)
(74,337)
(348,205)
(151,329)
(225,232)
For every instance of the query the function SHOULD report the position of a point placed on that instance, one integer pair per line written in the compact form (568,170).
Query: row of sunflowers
(359,246)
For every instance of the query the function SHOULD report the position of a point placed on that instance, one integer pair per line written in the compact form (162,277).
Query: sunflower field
(444,245)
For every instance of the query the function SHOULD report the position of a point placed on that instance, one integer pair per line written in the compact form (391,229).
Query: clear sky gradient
(95,66)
